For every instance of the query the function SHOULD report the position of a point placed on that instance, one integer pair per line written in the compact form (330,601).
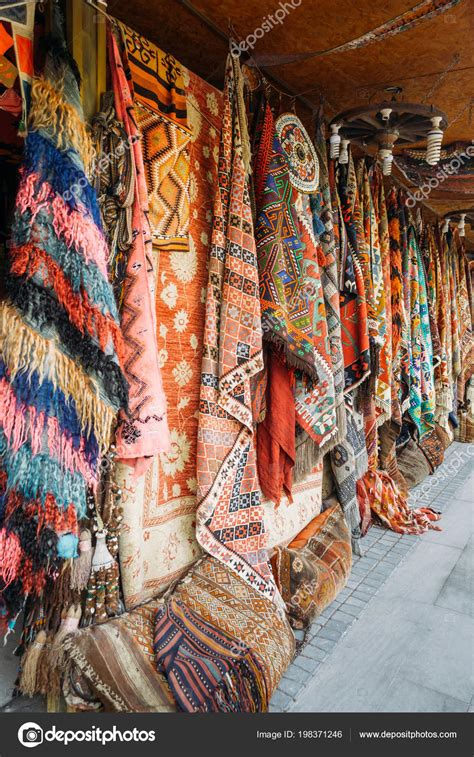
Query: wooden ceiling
(433,62)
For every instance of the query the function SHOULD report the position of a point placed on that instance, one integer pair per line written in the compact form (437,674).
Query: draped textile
(16,60)
(384,377)
(115,187)
(315,400)
(276,450)
(349,462)
(143,430)
(207,669)
(427,245)
(230,517)
(273,389)
(422,397)
(157,77)
(286,319)
(326,231)
(158,536)
(61,378)
(392,508)
(353,305)
(372,257)
(399,316)
(111,666)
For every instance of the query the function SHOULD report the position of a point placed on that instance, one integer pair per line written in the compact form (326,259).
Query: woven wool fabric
(112,666)
(392,508)
(157,77)
(166,161)
(353,305)
(396,296)
(207,669)
(157,82)
(276,450)
(373,269)
(349,462)
(444,371)
(453,302)
(231,605)
(230,518)
(284,522)
(143,430)
(326,229)
(61,380)
(286,320)
(433,448)
(315,399)
(158,538)
(310,577)
(422,397)
(115,187)
(384,376)
(299,151)
(427,254)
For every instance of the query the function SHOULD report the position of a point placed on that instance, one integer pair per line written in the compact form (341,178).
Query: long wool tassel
(29,671)
(82,565)
(56,662)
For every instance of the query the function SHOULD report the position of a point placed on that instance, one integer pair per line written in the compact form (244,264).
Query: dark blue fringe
(59,170)
(41,394)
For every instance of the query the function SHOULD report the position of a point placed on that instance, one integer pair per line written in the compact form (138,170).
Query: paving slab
(409,645)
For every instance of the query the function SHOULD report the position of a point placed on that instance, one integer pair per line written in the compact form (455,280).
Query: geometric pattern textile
(230,517)
(231,605)
(310,577)
(158,539)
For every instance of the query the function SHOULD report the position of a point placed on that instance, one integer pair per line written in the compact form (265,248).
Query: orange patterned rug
(158,540)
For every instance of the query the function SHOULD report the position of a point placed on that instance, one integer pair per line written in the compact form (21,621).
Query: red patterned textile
(230,522)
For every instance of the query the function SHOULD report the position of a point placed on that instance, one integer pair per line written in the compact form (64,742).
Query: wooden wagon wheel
(410,121)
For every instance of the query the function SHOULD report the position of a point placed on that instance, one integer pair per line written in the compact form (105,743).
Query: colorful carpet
(230,517)
(158,538)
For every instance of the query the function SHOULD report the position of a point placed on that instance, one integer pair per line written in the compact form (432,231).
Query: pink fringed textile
(143,432)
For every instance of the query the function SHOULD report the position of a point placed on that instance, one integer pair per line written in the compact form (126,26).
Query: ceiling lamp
(445,227)
(334,141)
(388,123)
(434,142)
(344,151)
(460,217)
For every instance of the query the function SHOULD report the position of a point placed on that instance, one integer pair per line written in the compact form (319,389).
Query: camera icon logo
(30,734)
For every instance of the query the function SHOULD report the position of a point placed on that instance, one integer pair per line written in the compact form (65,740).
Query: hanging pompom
(29,671)
(82,565)
(67,546)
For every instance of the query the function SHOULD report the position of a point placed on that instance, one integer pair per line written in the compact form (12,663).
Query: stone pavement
(399,637)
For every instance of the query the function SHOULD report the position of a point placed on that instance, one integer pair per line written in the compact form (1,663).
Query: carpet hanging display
(230,522)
